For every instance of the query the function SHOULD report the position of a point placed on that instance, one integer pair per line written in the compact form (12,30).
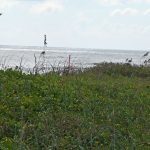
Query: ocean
(11,56)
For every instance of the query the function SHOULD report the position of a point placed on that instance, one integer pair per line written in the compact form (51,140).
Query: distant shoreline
(65,47)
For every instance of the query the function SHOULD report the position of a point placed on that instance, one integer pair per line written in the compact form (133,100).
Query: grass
(104,107)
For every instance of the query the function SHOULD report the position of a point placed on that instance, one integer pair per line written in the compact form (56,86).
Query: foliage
(104,107)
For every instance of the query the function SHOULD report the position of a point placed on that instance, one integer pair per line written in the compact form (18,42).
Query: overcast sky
(112,24)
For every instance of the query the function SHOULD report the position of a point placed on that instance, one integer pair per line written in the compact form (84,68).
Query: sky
(104,24)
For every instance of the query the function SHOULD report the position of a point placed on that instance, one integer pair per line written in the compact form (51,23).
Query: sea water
(11,56)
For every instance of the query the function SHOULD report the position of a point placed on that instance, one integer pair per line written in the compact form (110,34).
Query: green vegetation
(104,107)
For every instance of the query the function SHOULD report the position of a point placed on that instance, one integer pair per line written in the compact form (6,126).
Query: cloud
(125,12)
(4,4)
(47,6)
(129,12)
(125,29)
(109,2)
(116,12)
(122,2)
(138,1)
(147,12)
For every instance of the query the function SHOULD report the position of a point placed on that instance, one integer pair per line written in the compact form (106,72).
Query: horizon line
(68,47)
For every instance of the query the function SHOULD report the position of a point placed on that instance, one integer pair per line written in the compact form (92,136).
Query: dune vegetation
(104,107)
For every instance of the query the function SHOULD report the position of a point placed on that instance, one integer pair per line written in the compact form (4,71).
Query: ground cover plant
(104,107)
